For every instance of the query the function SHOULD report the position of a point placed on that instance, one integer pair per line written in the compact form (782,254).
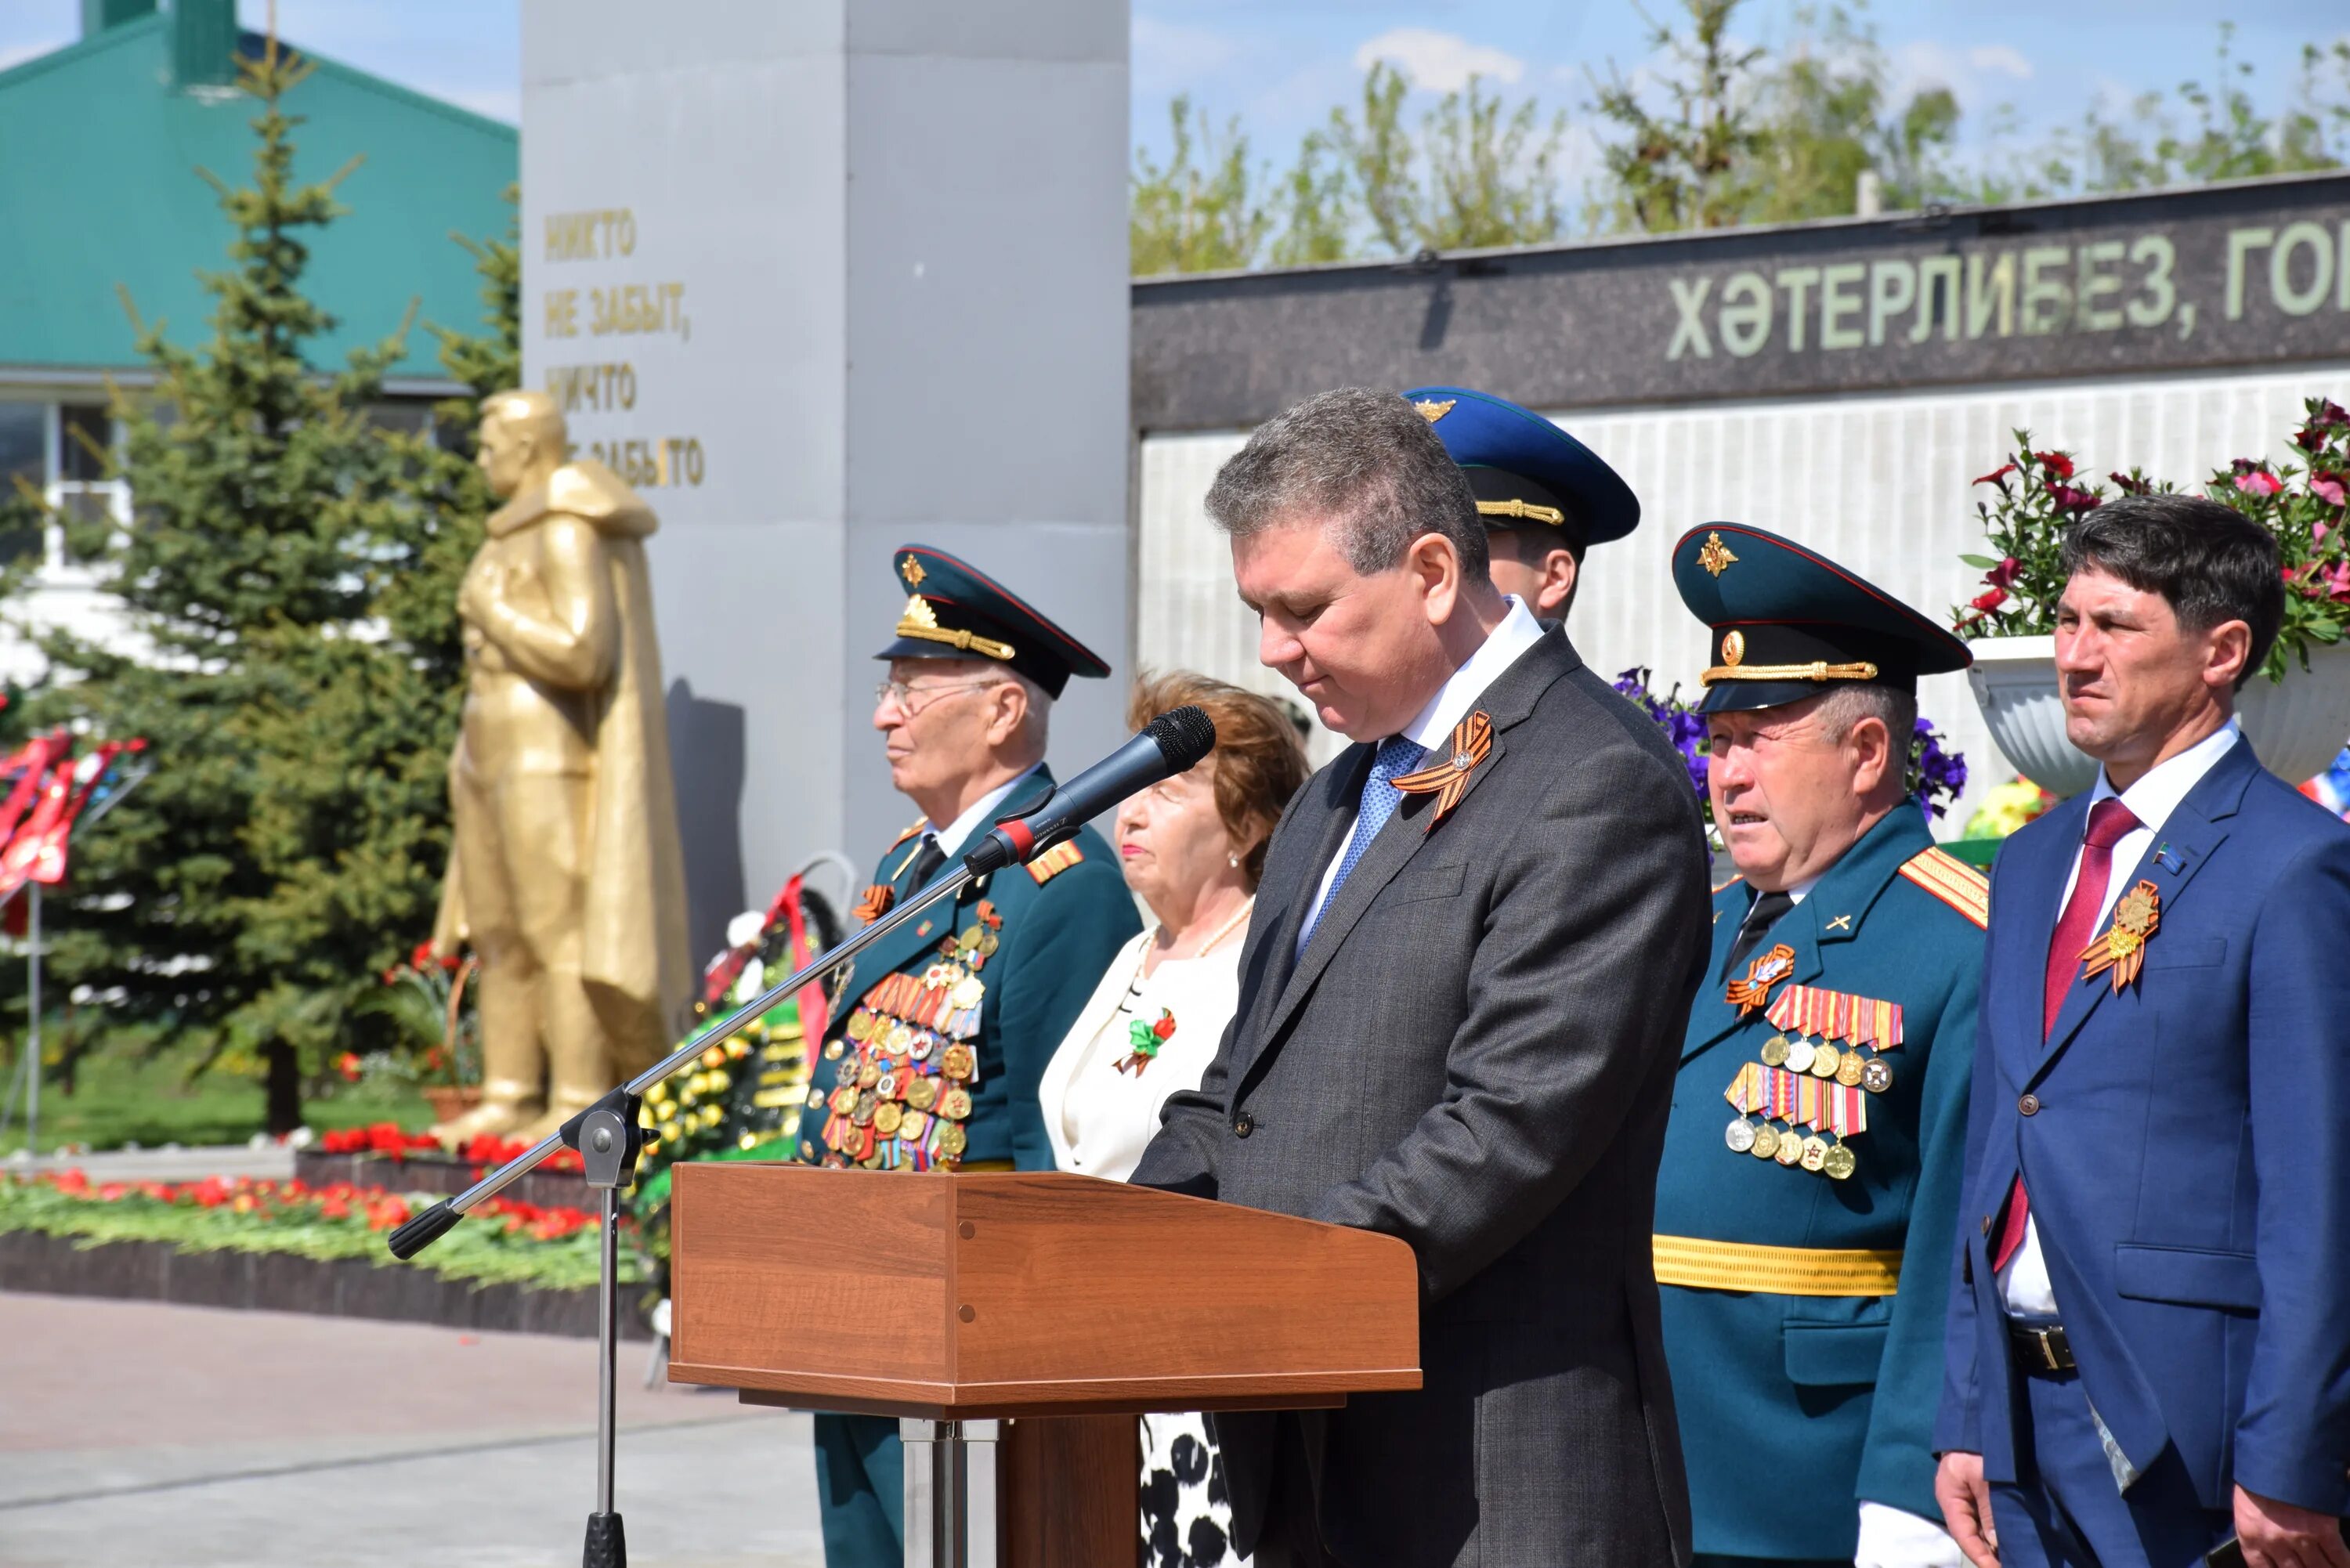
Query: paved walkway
(273,1163)
(133,1434)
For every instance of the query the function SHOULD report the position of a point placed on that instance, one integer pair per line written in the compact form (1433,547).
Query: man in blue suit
(2149,1332)
(1805,1265)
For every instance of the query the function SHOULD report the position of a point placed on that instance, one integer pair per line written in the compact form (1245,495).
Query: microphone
(1170,745)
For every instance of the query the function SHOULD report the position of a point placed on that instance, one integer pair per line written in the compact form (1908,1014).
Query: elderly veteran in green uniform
(944,1026)
(1810,1178)
(1545,498)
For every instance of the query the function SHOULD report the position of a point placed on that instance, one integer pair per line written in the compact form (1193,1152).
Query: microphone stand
(609,1138)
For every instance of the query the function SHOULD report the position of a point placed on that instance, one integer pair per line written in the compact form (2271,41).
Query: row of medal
(898,1101)
(1815,1073)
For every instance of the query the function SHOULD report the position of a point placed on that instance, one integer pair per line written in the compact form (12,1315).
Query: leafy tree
(1693,165)
(1198,211)
(1475,172)
(284,661)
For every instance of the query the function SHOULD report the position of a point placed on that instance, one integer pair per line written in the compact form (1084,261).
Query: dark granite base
(435,1173)
(280,1282)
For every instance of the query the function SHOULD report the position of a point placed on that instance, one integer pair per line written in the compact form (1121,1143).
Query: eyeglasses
(903,694)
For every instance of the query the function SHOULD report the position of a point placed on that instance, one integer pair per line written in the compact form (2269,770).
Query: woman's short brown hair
(1259,761)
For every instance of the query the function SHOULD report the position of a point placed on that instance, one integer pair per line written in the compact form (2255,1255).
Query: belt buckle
(2054,1350)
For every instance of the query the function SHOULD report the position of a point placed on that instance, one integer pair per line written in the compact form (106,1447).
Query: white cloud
(1439,62)
(1999,59)
(1169,58)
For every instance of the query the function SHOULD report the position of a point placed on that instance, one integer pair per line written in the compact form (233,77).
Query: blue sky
(1280,64)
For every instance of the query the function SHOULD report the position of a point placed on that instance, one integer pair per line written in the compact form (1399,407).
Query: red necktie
(2109,823)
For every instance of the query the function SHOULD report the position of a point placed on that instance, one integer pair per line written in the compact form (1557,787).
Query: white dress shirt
(2024,1284)
(980,814)
(1454,702)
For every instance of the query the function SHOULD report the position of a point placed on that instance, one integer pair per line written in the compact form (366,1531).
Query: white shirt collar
(1518,631)
(982,811)
(2158,794)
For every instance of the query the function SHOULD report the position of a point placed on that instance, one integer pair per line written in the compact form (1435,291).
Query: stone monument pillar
(819,279)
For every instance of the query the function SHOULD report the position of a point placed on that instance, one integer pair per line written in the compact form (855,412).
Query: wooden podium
(1039,1309)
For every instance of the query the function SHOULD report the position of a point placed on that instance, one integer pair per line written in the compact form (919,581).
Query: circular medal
(1790,1149)
(957,1062)
(922,1093)
(899,1039)
(1849,1070)
(863,1115)
(1766,1141)
(1826,1060)
(1814,1153)
(887,1117)
(1799,1055)
(1839,1162)
(868,1073)
(845,1073)
(844,1100)
(952,1141)
(912,1124)
(1741,1135)
(891,1085)
(955,1105)
(1774,1051)
(1877,1074)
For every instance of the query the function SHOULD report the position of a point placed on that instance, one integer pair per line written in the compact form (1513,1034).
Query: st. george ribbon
(1172,744)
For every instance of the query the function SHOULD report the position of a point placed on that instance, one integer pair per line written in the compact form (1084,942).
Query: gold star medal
(1448,780)
(2122,948)
(1767,971)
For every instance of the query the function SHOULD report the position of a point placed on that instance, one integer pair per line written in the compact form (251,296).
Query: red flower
(2129,485)
(2328,487)
(347,1065)
(1165,1027)
(1990,599)
(422,957)
(2258,481)
(2056,462)
(1996,474)
(2004,576)
(2068,499)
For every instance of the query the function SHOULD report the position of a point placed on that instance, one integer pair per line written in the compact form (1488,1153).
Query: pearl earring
(1234,861)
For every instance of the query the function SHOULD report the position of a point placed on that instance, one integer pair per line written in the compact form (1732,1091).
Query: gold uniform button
(2029,1104)
(1244,1125)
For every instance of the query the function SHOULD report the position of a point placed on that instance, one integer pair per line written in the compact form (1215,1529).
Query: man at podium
(1478,934)
(946,1025)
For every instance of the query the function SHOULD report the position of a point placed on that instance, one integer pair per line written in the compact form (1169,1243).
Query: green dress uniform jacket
(1055,927)
(1805,1383)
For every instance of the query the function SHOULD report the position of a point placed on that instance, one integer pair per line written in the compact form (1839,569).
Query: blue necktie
(1396,757)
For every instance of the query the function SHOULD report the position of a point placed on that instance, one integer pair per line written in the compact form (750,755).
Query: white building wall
(1881,483)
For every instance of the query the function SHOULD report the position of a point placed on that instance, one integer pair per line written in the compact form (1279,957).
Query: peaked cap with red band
(953,610)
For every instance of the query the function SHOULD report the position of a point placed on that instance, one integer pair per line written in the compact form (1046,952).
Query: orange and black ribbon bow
(1448,780)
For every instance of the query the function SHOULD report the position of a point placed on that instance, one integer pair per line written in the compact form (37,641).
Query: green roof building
(103,198)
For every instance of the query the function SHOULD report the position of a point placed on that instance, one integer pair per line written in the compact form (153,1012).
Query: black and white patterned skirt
(1187,1515)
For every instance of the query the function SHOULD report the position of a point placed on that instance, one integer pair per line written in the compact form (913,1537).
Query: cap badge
(911,570)
(1448,781)
(1715,557)
(922,621)
(1733,646)
(1432,409)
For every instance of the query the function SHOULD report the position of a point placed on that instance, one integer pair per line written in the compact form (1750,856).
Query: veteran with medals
(1804,1205)
(945,1026)
(1543,497)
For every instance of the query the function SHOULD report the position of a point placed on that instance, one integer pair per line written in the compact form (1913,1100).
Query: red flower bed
(386,1140)
(297,1202)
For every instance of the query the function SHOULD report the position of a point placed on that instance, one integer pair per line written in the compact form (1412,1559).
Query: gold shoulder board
(1953,881)
(1734,882)
(1055,861)
(919,822)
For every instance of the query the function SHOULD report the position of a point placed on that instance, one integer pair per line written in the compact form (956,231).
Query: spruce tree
(289,576)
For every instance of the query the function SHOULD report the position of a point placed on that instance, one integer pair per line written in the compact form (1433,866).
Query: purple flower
(1935,775)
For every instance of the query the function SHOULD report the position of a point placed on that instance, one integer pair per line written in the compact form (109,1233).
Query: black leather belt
(2041,1348)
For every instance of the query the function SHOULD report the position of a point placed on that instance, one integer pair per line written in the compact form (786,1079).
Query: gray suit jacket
(1475,1052)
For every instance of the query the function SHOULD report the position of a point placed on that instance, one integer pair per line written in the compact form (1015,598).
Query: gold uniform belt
(973,1166)
(1775,1271)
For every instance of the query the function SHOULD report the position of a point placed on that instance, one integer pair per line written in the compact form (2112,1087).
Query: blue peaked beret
(1789,624)
(953,610)
(1524,469)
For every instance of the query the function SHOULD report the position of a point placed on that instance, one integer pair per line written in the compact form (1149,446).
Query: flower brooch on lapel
(2122,948)
(1448,780)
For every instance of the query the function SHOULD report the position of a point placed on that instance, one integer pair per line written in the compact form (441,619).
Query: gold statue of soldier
(565,875)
